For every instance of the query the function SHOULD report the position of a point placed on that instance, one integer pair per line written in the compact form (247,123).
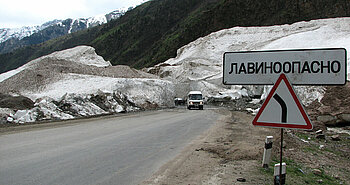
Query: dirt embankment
(333,110)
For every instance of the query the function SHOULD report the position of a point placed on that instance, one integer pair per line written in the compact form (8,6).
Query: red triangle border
(308,125)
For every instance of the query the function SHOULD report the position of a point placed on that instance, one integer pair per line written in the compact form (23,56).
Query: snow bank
(77,95)
(138,90)
(73,106)
(77,82)
(200,62)
(11,73)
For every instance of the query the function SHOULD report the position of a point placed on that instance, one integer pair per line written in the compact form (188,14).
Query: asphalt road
(115,150)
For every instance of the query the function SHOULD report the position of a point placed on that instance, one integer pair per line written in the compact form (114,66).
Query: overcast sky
(18,13)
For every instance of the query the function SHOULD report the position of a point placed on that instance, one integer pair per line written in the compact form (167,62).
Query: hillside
(152,32)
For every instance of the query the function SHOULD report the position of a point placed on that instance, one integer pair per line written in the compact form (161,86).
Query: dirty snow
(81,54)
(77,82)
(200,62)
(11,73)
(85,55)
(139,90)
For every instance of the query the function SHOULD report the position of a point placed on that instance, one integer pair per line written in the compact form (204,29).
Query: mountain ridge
(11,39)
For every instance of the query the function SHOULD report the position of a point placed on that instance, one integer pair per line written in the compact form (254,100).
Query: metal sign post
(281,154)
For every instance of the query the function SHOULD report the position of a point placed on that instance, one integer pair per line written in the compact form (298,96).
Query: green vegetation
(299,174)
(319,160)
(151,33)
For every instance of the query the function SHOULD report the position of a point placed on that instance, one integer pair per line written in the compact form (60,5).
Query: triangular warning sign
(282,108)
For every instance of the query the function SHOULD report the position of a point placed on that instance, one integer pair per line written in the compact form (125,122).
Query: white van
(195,100)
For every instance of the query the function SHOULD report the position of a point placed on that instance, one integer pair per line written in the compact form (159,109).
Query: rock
(325,109)
(327,120)
(344,117)
(301,171)
(320,136)
(317,172)
(285,144)
(335,137)
(9,119)
(320,181)
(241,179)
(200,149)
(318,125)
(15,102)
(2,120)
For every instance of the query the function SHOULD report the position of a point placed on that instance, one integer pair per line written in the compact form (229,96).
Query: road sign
(282,108)
(303,67)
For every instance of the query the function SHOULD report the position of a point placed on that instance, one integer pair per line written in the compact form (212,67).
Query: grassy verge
(314,161)
(299,174)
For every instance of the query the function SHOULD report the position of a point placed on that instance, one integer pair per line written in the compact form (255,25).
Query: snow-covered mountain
(12,38)
(19,33)
(25,31)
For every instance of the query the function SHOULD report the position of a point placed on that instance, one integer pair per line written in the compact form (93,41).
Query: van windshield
(195,97)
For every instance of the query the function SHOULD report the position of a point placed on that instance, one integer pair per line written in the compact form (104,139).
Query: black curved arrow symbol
(283,106)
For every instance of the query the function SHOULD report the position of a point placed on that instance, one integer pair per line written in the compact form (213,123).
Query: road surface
(115,150)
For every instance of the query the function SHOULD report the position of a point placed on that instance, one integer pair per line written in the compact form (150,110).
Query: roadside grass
(299,174)
(329,146)
(305,136)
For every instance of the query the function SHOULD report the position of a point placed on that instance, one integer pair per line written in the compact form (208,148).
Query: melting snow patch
(253,111)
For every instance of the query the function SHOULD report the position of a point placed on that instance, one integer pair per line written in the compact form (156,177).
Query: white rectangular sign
(303,67)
